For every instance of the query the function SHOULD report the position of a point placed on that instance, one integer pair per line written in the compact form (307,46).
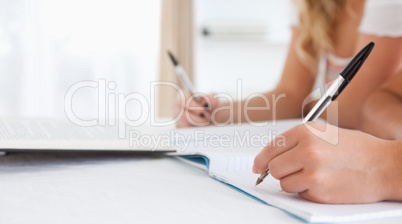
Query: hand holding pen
(195,114)
(333,91)
(197,108)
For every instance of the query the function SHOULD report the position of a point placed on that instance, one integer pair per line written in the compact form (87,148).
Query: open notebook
(227,154)
(49,134)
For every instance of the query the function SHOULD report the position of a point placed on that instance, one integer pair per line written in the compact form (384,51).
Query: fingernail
(255,169)
(202,115)
(206,105)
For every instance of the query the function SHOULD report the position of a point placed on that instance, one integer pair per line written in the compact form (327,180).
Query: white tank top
(382,18)
(328,70)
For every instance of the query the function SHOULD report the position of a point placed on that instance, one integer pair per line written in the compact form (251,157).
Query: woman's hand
(192,113)
(359,168)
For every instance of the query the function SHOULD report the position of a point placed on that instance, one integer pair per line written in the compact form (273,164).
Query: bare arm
(285,101)
(384,62)
(360,168)
(297,81)
(382,113)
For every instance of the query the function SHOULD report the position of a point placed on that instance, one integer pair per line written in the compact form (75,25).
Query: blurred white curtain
(48,45)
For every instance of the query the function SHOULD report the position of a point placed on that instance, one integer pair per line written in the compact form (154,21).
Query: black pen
(334,90)
(181,73)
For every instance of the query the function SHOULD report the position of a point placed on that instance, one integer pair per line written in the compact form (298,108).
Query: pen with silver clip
(333,91)
(181,73)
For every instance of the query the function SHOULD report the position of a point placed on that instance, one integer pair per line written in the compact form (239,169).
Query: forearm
(284,102)
(380,67)
(277,104)
(382,115)
(393,176)
(382,112)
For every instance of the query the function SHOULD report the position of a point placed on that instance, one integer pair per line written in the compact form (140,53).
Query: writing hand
(360,168)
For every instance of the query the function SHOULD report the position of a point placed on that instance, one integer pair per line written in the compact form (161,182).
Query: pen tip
(258,182)
(172,58)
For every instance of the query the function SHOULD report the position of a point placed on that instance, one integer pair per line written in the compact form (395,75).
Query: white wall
(219,63)
(48,45)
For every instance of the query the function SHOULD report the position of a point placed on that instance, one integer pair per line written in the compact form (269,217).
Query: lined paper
(232,165)
(270,192)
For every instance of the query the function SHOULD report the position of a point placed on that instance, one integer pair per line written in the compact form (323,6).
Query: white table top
(101,188)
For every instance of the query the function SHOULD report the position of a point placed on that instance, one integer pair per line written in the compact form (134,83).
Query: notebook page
(233,164)
(229,148)
(270,192)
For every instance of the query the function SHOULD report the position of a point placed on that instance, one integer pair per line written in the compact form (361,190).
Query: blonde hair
(317,19)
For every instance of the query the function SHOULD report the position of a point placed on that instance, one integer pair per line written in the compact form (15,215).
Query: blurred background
(46,46)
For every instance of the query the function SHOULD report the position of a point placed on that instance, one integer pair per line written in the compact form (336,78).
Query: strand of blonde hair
(317,19)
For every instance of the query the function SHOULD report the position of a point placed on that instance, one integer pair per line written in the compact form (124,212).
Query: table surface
(117,188)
